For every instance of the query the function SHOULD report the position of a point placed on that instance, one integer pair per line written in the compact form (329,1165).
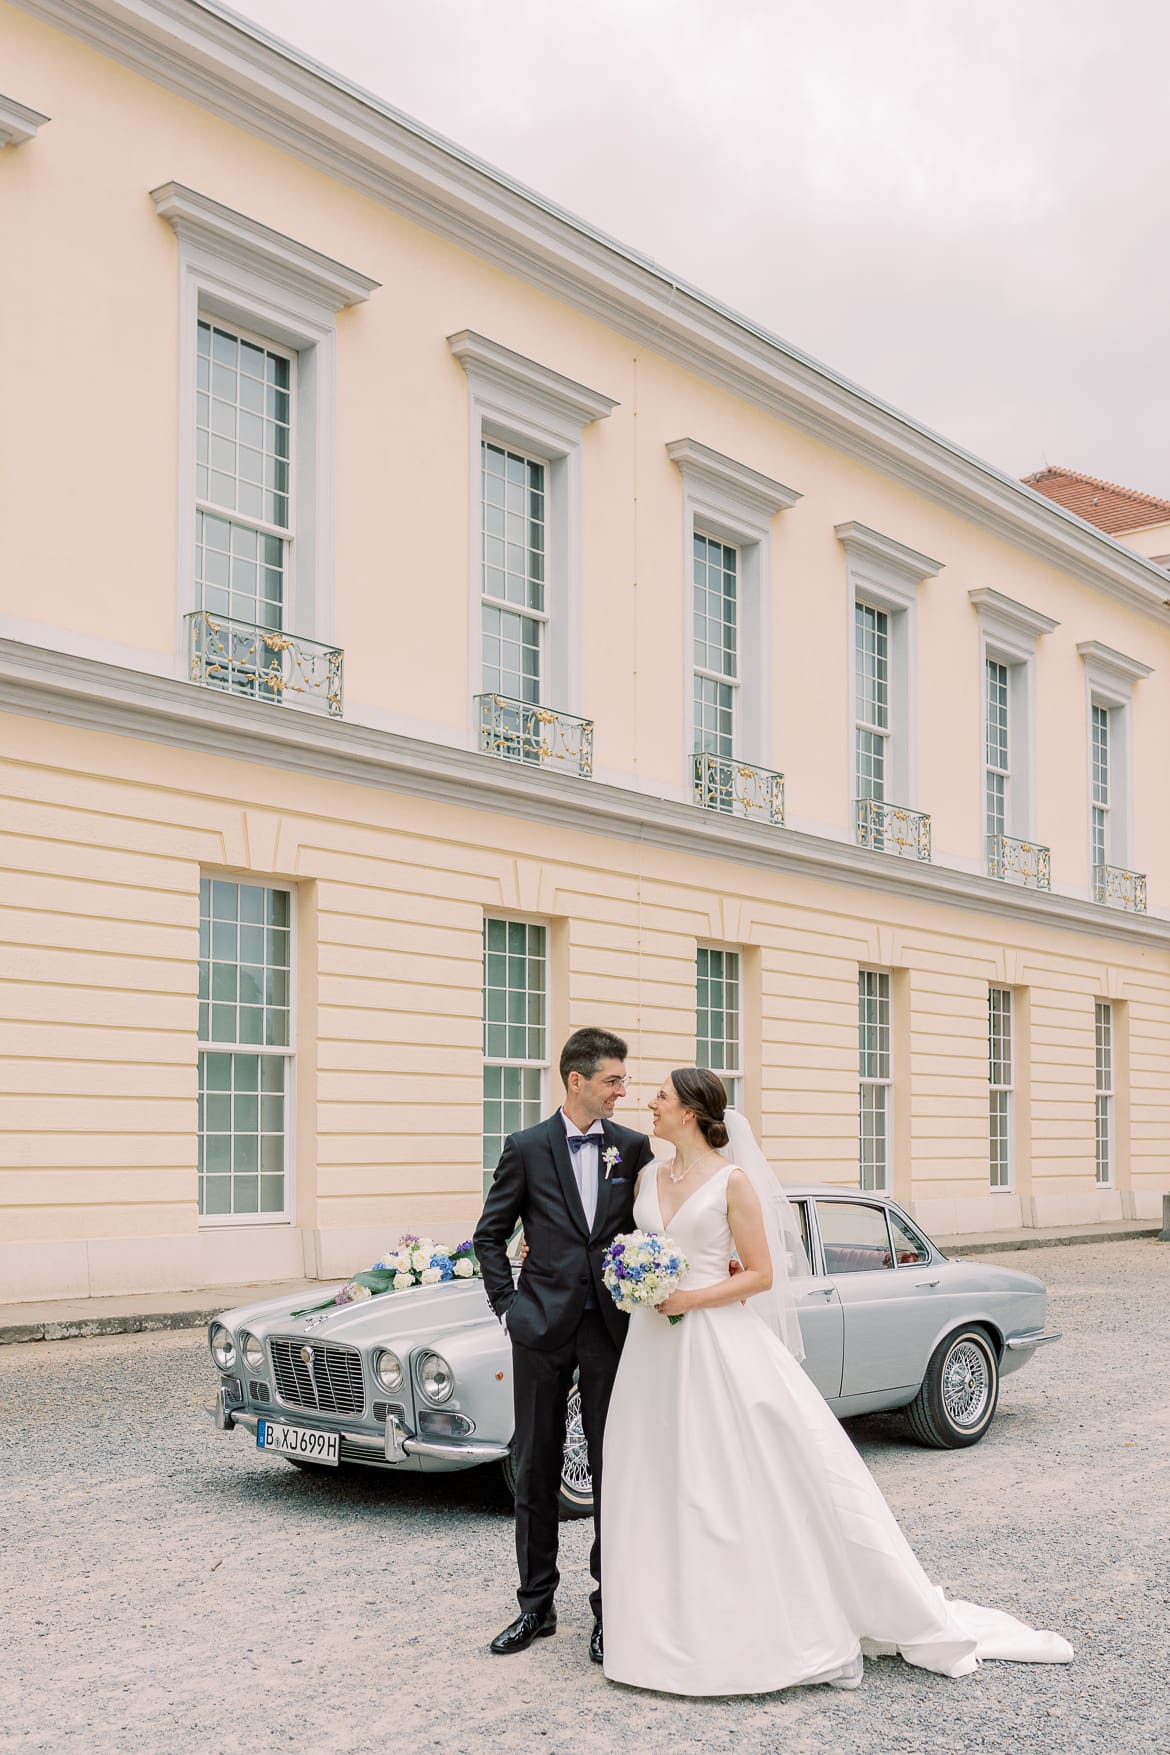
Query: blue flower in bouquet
(641,1269)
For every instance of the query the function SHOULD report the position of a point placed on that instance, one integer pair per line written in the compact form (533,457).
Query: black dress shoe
(523,1630)
(597,1644)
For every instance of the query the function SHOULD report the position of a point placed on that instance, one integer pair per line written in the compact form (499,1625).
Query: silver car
(422,1379)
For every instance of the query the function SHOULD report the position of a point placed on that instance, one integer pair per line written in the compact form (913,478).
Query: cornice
(237,71)
(199,220)
(891,560)
(723,476)
(18,123)
(1010,626)
(1115,666)
(499,366)
(92,696)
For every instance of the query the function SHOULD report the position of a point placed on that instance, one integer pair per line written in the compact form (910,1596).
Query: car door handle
(823,1292)
(928,1283)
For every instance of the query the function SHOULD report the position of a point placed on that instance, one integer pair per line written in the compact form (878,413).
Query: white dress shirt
(586,1164)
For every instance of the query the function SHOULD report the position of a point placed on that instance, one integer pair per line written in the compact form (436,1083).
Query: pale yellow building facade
(558,567)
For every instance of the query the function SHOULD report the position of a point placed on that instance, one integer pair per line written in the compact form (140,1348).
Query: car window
(854,1236)
(801,1207)
(908,1245)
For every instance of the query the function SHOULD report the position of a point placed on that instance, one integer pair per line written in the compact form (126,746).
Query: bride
(748,1547)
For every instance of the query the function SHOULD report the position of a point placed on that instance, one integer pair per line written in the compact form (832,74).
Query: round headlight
(388,1369)
(223,1348)
(435,1377)
(253,1352)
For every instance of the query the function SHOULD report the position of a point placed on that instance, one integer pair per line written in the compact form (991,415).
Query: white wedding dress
(746,1547)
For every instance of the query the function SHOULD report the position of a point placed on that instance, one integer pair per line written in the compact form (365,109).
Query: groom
(570,1183)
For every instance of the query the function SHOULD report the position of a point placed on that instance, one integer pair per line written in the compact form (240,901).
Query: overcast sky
(961,206)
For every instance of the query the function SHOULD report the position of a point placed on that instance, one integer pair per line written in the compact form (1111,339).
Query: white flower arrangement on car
(415,1261)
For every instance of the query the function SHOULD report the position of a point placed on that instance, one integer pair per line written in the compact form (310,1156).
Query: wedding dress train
(746,1547)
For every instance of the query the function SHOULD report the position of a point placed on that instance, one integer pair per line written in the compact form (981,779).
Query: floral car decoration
(414,1261)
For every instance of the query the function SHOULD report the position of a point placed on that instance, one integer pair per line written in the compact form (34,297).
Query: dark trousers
(541,1380)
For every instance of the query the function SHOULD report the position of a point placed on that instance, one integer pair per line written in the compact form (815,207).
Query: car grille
(332,1382)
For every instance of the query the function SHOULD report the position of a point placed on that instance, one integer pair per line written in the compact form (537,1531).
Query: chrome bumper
(1021,1343)
(397,1445)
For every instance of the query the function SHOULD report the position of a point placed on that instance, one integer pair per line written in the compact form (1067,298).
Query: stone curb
(82,1327)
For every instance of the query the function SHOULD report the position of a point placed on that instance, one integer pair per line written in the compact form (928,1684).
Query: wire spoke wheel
(966,1384)
(959,1392)
(576,1480)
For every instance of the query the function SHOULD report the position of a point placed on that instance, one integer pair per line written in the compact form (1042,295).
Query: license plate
(322,1447)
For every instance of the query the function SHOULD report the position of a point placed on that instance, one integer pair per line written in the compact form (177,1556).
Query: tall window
(245,1053)
(718,1018)
(1000,1080)
(872,635)
(513,503)
(243,501)
(873,1021)
(998,753)
(515,1031)
(1104,1083)
(716,613)
(1099,807)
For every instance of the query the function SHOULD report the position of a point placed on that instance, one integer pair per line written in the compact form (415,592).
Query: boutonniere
(611,1157)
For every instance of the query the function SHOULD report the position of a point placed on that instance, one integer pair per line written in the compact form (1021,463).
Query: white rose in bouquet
(420,1259)
(431,1276)
(402,1282)
(402,1261)
(463,1268)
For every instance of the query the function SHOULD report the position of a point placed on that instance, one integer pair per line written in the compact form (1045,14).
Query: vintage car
(421,1379)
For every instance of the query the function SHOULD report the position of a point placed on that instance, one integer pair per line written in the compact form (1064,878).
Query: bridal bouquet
(641,1268)
(414,1261)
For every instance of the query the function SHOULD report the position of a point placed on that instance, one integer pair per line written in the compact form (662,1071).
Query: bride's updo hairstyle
(705,1094)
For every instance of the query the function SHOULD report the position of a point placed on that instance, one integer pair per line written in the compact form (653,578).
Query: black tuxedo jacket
(535,1184)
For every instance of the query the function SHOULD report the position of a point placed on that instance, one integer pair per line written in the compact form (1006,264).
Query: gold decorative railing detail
(1022,861)
(1120,888)
(739,789)
(520,731)
(243,658)
(893,828)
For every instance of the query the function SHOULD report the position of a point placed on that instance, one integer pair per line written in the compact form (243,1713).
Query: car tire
(575,1498)
(959,1393)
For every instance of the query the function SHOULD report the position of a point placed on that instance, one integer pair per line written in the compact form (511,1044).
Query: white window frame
(539,616)
(1109,683)
(228,1221)
(1008,635)
(542,1066)
(886,575)
(1105,1107)
(234,269)
(527,407)
(731,503)
(732,1076)
(1007,1087)
(886,1083)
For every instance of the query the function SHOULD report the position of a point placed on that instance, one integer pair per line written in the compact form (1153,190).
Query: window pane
(908,1245)
(854,1237)
(717,1014)
(515,988)
(513,503)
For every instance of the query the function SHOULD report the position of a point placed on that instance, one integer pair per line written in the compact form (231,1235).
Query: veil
(777,1306)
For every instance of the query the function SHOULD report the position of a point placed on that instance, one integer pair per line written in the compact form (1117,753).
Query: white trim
(1109,682)
(517,402)
(78,691)
(888,567)
(275,303)
(235,70)
(1111,674)
(236,238)
(18,123)
(1008,634)
(735,505)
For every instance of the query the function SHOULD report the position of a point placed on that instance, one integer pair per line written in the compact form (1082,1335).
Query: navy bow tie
(577,1140)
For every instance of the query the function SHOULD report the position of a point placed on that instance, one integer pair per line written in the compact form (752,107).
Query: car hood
(393,1318)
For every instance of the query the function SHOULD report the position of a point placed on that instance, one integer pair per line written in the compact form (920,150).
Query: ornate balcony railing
(1023,862)
(522,732)
(892,828)
(267,663)
(1120,888)
(738,788)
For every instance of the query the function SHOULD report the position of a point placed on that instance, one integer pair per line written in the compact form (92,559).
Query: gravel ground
(161,1582)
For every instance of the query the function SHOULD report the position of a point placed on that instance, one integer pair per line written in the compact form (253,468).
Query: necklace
(681,1175)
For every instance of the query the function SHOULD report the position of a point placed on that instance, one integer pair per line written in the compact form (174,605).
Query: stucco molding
(235,71)
(725,480)
(197,219)
(1008,625)
(80,692)
(498,366)
(1112,671)
(18,123)
(886,562)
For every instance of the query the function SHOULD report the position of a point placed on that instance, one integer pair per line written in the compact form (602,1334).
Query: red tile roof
(1103,503)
